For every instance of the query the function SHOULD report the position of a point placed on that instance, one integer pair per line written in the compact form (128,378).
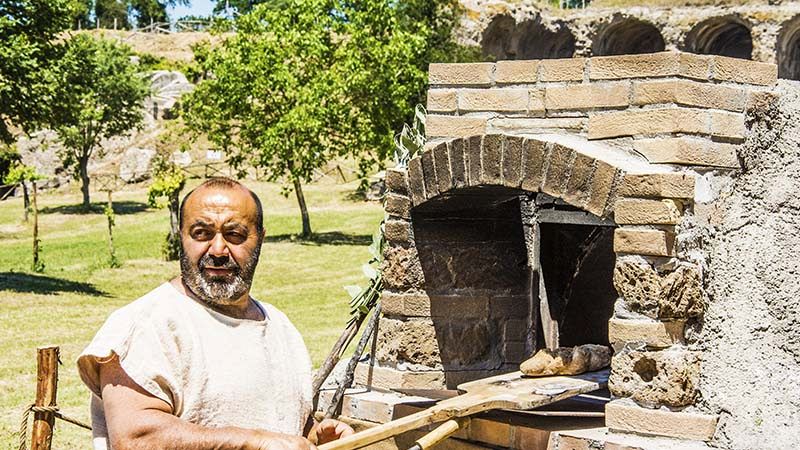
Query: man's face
(220,243)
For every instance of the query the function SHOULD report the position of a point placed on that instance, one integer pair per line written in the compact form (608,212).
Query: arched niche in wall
(725,36)
(506,39)
(788,49)
(628,36)
(496,42)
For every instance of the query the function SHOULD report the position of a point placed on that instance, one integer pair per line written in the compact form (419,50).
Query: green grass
(67,303)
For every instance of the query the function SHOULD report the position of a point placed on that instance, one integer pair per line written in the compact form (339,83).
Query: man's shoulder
(158,302)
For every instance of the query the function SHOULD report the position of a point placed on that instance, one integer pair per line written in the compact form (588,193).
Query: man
(197,363)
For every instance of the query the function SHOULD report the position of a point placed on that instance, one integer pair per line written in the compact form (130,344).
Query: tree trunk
(26,201)
(301,200)
(174,219)
(83,164)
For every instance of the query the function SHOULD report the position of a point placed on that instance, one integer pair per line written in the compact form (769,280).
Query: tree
(98,95)
(22,174)
(168,181)
(28,30)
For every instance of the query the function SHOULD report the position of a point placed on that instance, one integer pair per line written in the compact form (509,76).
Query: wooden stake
(46,387)
(36,264)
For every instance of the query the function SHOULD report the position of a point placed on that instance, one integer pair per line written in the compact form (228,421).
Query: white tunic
(212,369)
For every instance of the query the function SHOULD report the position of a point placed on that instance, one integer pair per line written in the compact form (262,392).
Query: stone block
(397,181)
(569,69)
(516,330)
(647,211)
(638,284)
(688,151)
(388,378)
(516,72)
(458,166)
(533,154)
(401,268)
(422,305)
(398,232)
(515,352)
(416,181)
(442,101)
(647,122)
(460,74)
(652,333)
(622,415)
(491,159)
(397,205)
(587,96)
(681,293)
(558,170)
(529,438)
(512,161)
(689,93)
(727,124)
(441,163)
(429,173)
(410,341)
(525,125)
(695,66)
(501,100)
(473,152)
(454,126)
(661,64)
(490,431)
(662,185)
(579,187)
(738,70)
(536,102)
(644,242)
(603,181)
(653,378)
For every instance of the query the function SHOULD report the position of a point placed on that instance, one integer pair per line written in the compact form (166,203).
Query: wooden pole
(46,386)
(110,218)
(36,264)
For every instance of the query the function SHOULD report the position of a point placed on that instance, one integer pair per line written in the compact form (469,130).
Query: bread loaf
(567,360)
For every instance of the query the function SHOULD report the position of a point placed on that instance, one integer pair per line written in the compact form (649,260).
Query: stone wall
(643,140)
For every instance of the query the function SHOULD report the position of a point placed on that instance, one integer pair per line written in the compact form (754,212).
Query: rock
(182,159)
(567,360)
(135,164)
(639,285)
(401,268)
(167,87)
(676,294)
(668,377)
(681,294)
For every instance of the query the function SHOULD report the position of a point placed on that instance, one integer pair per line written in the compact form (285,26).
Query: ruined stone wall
(520,30)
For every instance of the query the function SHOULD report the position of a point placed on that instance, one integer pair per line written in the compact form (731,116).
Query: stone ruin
(636,201)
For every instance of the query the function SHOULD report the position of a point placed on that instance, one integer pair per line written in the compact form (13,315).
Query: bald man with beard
(197,363)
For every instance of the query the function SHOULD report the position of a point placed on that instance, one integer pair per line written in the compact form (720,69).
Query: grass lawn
(67,303)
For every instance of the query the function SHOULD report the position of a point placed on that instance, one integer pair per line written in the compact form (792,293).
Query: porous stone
(681,293)
(638,284)
(654,378)
(727,125)
(397,205)
(624,415)
(401,268)
(689,93)
(397,181)
(398,232)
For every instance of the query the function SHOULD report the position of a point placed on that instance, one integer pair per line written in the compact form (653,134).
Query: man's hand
(329,430)
(274,441)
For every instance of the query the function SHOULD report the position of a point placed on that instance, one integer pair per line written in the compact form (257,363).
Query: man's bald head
(225,184)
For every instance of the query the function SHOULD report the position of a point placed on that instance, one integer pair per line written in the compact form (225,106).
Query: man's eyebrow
(234,224)
(200,223)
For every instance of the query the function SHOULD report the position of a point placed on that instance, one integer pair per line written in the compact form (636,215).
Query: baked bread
(567,360)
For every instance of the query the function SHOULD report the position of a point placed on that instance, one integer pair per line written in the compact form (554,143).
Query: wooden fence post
(46,386)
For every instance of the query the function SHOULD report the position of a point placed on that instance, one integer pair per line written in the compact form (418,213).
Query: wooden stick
(439,434)
(46,388)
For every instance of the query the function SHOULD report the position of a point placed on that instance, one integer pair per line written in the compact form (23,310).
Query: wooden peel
(509,391)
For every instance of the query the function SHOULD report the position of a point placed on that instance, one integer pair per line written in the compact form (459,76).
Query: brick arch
(528,163)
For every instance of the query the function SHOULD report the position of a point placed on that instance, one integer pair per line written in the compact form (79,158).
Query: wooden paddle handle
(383,431)
(439,434)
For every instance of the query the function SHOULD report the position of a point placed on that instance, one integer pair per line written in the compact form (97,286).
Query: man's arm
(138,420)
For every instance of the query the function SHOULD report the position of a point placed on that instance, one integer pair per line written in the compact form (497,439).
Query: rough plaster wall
(751,334)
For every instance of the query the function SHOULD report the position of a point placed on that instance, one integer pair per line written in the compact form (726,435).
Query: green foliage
(362,300)
(411,139)
(168,182)
(20,173)
(9,156)
(28,29)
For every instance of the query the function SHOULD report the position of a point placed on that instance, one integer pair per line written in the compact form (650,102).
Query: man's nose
(218,246)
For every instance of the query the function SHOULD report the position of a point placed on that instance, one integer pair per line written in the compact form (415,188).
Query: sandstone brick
(634,66)
(528,438)
(727,124)
(503,100)
(587,96)
(416,181)
(536,105)
(397,181)
(695,66)
(401,268)
(398,232)
(573,443)
(603,181)
(441,163)
(690,93)
(386,378)
(473,153)
(646,211)
(422,305)
(622,415)
(654,334)
(397,205)
(665,185)
(454,126)
(516,72)
(516,329)
(579,186)
(648,121)
(558,169)
(653,378)
(458,167)
(688,151)
(512,161)
(442,100)
(524,125)
(460,74)
(569,69)
(429,174)
(490,432)
(644,242)
(491,159)
(533,154)
(515,352)
(738,70)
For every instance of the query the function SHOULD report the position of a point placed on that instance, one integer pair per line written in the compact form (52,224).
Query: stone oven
(562,202)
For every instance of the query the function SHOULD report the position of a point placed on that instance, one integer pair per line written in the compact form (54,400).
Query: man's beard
(219,290)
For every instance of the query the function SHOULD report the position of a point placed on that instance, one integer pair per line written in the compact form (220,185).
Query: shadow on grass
(327,238)
(41,284)
(121,208)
